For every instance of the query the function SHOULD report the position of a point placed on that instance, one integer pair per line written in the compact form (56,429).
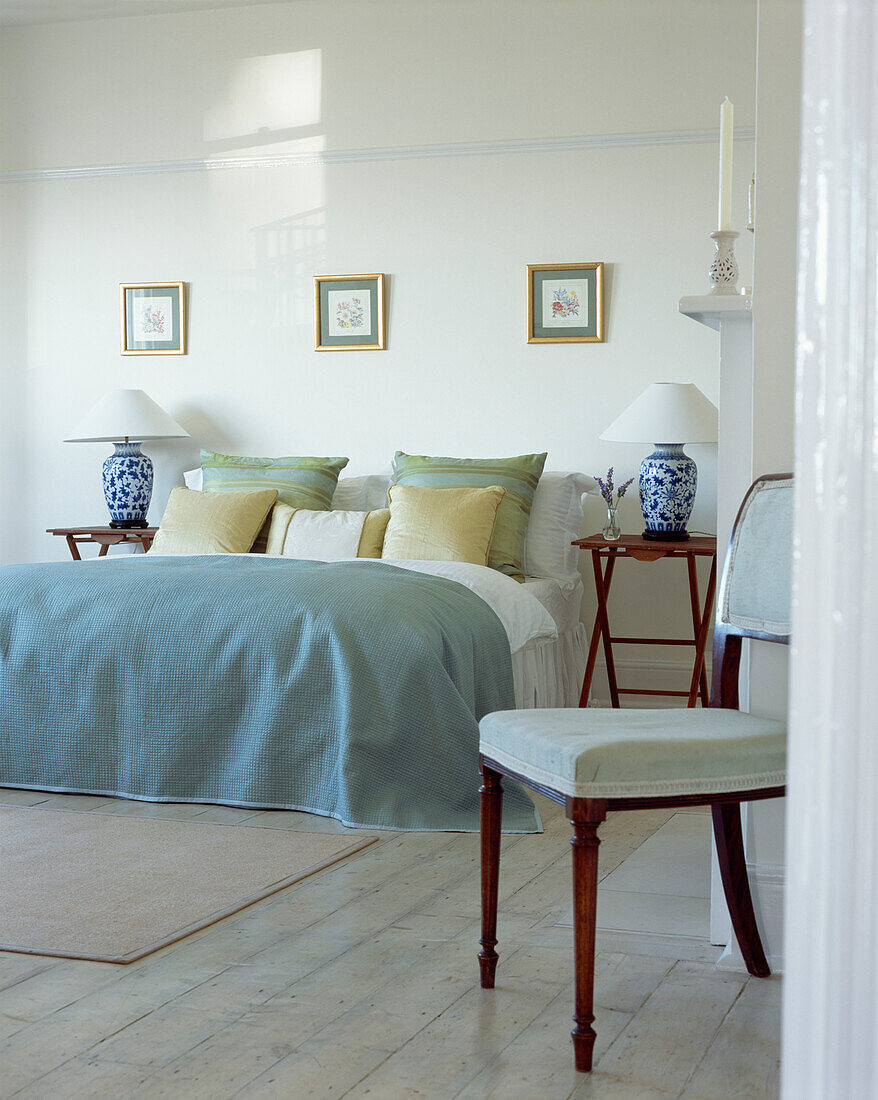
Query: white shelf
(711,309)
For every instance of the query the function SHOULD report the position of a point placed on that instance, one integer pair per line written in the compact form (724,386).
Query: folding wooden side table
(641,549)
(105,537)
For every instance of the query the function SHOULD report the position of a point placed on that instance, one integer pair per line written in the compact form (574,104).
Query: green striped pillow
(518,476)
(300,482)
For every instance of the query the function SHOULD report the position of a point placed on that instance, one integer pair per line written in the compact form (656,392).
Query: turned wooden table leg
(585,814)
(491,804)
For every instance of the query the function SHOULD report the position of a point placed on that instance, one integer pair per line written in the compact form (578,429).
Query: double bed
(350,689)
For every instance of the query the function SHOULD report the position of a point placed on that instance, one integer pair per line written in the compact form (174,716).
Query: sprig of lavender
(607,488)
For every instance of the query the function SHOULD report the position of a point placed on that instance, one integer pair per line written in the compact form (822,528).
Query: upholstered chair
(596,761)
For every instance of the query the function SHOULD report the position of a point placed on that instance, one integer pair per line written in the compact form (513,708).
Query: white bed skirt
(550,674)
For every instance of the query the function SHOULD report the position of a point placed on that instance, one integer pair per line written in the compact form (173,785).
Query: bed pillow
(212,523)
(518,476)
(326,536)
(362,494)
(556,519)
(356,494)
(301,482)
(442,524)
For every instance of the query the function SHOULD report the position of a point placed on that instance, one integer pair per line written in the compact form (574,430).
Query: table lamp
(121,417)
(668,478)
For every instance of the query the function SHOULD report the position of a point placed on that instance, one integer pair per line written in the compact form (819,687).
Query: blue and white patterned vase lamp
(126,418)
(668,478)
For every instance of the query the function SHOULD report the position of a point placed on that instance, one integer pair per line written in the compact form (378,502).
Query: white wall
(358,80)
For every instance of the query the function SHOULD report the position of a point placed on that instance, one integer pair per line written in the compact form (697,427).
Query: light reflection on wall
(269,101)
(270,104)
(287,254)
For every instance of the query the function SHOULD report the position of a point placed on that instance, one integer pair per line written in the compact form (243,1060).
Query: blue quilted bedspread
(348,689)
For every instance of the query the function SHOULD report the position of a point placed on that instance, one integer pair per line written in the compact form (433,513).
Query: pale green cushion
(518,476)
(595,752)
(300,481)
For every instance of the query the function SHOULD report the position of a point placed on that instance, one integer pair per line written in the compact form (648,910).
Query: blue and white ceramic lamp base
(668,480)
(128,485)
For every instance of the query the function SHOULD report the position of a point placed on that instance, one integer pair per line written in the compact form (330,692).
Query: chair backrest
(755,594)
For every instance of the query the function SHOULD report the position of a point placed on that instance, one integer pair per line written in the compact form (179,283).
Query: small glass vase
(612,531)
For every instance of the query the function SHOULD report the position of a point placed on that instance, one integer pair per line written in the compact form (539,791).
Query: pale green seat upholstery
(598,753)
(601,753)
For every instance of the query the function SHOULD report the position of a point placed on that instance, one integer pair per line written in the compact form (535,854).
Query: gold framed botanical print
(565,303)
(349,313)
(153,318)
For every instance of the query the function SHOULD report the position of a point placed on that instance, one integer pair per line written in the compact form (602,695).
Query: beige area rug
(112,888)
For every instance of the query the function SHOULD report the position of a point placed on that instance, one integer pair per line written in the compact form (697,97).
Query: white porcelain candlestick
(724,269)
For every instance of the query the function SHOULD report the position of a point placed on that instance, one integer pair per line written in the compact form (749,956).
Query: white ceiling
(19,12)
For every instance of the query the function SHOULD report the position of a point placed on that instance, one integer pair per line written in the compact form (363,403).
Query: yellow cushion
(212,523)
(305,533)
(374,529)
(441,524)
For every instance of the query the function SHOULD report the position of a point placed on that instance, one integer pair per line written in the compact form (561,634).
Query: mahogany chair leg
(585,815)
(491,808)
(733,869)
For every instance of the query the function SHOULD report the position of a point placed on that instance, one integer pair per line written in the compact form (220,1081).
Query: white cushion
(555,520)
(323,536)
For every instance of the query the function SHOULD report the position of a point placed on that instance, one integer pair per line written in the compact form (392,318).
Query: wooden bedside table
(105,537)
(641,549)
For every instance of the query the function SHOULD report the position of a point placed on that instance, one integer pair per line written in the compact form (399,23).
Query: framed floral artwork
(349,313)
(153,318)
(565,303)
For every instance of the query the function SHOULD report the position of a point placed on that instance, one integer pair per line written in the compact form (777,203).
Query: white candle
(726,132)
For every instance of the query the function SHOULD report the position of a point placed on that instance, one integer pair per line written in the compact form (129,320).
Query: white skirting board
(767,888)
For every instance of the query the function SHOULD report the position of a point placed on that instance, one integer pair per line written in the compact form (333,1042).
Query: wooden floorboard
(362,982)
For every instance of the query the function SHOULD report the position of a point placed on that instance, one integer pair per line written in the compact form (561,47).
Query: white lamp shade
(666,412)
(125,414)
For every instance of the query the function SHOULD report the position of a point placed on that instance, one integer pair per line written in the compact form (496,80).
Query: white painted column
(830,1028)
(734,475)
